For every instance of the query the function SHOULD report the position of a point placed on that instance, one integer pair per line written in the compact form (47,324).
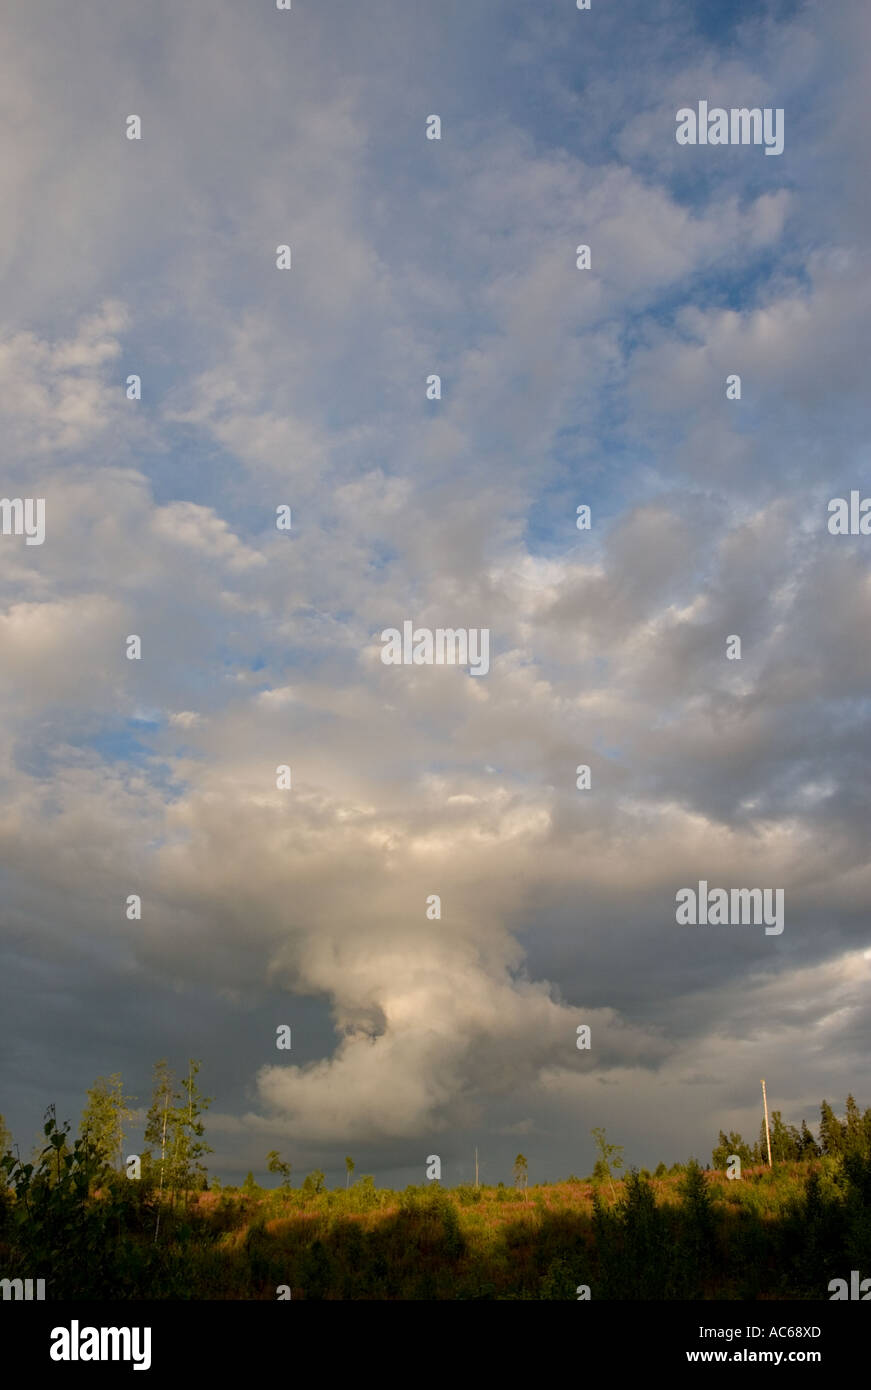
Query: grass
(770,1235)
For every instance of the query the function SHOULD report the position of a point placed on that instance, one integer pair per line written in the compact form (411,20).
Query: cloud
(260,648)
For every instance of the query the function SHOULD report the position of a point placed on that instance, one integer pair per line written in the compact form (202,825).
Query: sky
(264,388)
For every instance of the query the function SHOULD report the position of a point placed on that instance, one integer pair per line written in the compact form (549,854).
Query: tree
(730,1144)
(349,1167)
(314,1183)
(720,1154)
(275,1165)
(610,1156)
(164,1096)
(366,1192)
(191,1145)
(639,1225)
(831,1131)
(5,1149)
(697,1229)
(854,1137)
(809,1147)
(521,1172)
(785,1140)
(174,1123)
(157,1123)
(104,1117)
(55,1226)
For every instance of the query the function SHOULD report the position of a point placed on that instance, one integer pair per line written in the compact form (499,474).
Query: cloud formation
(263,389)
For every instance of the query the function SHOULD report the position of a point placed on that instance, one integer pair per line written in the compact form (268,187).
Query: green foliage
(643,1227)
(559,1281)
(175,1126)
(318,1269)
(809,1146)
(728,1145)
(760,1151)
(467,1194)
(56,1229)
(274,1164)
(636,1244)
(5,1137)
(790,1145)
(785,1140)
(697,1235)
(780,1233)
(314,1183)
(855,1139)
(365,1194)
(160,1119)
(190,1144)
(831,1132)
(104,1117)
(610,1158)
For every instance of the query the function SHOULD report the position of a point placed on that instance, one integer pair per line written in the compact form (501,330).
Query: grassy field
(773,1234)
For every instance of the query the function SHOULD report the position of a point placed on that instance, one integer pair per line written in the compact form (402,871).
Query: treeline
(836,1139)
(73,1216)
(784,1233)
(172,1161)
(174,1130)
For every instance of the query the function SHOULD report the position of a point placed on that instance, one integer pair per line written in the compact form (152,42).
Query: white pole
(767,1130)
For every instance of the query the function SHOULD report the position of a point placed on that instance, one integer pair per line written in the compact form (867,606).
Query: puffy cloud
(262,648)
